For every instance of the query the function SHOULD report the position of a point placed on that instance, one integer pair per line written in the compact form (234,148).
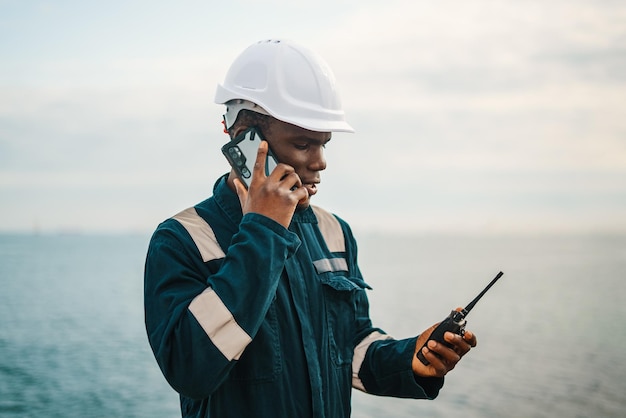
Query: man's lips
(311,188)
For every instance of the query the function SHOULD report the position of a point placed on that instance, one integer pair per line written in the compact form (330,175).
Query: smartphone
(241,153)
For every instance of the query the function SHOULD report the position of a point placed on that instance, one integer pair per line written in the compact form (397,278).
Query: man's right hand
(275,196)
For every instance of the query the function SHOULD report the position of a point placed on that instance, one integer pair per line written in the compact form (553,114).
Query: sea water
(551,332)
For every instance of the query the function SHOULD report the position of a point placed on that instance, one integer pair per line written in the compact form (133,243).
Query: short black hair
(249,118)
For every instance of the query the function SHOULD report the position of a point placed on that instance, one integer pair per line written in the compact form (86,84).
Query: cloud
(468,114)
(477,48)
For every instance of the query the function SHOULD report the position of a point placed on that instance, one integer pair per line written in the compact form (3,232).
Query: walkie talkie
(455,322)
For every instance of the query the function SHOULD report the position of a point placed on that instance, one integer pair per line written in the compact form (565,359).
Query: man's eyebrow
(312,140)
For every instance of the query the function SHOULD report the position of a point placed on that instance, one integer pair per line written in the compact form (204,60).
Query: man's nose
(317,161)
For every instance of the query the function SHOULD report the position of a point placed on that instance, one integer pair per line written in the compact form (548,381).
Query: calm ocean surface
(551,332)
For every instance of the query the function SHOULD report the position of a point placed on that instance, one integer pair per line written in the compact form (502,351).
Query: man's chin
(303,205)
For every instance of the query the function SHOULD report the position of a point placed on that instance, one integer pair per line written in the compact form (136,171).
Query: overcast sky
(471,116)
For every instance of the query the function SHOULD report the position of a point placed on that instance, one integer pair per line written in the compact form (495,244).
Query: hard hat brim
(330,123)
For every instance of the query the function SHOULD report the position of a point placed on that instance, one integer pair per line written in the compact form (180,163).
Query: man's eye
(301,147)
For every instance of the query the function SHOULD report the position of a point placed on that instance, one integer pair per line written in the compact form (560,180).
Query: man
(254,302)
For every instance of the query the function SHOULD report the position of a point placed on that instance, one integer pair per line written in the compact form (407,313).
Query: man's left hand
(442,358)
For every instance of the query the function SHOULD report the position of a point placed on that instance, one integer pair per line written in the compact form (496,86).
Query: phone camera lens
(235,154)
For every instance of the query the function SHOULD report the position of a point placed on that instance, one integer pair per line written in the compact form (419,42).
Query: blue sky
(471,116)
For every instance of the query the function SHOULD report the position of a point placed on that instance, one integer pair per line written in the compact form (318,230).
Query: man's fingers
(241,191)
(470,338)
(460,344)
(261,158)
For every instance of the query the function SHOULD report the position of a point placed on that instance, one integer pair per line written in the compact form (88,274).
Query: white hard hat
(288,82)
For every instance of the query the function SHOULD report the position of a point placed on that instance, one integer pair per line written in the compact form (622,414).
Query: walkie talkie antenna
(454,323)
(480,295)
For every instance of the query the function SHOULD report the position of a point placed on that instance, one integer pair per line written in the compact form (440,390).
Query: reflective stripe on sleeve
(208,309)
(201,233)
(359,357)
(330,229)
(219,324)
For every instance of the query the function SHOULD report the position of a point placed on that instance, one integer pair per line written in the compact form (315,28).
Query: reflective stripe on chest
(201,233)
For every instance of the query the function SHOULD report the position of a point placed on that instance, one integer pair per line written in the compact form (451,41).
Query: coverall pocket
(342,295)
